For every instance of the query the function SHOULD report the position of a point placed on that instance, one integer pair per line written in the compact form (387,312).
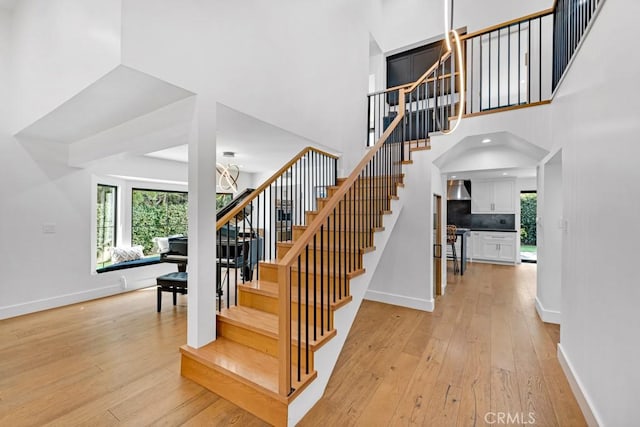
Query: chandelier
(228,175)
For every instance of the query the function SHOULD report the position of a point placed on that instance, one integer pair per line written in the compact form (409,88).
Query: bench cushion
(131,264)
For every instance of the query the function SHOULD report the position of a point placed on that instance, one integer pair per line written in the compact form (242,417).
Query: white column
(201,318)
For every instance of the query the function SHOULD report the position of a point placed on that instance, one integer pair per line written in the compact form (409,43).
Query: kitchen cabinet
(494,196)
(494,246)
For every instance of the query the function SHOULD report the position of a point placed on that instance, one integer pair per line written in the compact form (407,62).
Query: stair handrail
(424,77)
(232,214)
(285,264)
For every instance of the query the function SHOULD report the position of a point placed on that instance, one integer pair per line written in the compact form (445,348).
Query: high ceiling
(8,4)
(491,155)
(258,146)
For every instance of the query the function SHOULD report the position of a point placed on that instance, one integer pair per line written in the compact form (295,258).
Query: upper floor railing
(509,64)
(512,64)
(571,18)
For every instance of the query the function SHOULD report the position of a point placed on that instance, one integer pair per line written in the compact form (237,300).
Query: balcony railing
(571,20)
(509,64)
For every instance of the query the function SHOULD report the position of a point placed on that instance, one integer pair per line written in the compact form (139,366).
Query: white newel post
(201,324)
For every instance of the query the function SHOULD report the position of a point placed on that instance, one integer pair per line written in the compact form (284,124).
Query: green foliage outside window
(222,199)
(157,214)
(528,213)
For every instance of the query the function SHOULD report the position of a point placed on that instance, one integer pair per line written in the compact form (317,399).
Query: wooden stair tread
(325,247)
(272,289)
(326,270)
(249,366)
(267,324)
(373,229)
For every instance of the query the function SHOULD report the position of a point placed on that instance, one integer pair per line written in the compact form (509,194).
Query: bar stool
(452,237)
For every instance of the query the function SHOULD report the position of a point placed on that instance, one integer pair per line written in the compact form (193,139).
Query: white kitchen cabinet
(476,245)
(495,196)
(494,246)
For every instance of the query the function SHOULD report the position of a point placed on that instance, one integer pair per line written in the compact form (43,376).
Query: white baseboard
(57,301)
(547,316)
(73,298)
(401,300)
(586,405)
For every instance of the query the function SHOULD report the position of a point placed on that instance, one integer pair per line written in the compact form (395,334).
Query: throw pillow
(126,253)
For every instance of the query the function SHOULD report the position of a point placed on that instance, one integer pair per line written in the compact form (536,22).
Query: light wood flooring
(115,361)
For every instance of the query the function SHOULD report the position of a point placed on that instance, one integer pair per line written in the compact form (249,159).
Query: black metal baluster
(315,284)
(322,277)
(299,318)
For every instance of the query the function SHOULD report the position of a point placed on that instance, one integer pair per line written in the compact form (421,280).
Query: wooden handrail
(427,73)
(287,261)
(507,24)
(235,211)
(315,225)
(391,89)
(284,278)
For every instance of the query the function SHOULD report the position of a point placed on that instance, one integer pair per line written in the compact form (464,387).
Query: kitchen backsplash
(493,221)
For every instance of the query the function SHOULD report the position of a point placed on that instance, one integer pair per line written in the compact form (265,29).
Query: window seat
(130,264)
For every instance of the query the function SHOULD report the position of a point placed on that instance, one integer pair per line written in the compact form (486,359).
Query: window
(223,199)
(106,223)
(156,213)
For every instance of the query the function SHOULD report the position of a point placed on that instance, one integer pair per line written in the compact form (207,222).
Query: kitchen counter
(494,230)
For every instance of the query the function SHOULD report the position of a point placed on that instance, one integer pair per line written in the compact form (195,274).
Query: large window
(106,223)
(157,213)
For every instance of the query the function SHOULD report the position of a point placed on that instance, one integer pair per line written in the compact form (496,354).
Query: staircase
(280,334)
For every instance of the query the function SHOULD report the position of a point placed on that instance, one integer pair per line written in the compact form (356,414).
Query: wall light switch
(49,228)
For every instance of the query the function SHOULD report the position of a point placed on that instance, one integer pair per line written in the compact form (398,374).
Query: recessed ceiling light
(486,141)
(454,176)
(504,173)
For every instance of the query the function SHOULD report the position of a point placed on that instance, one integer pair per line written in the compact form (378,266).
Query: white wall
(595,122)
(5,33)
(48,270)
(301,66)
(404,275)
(550,236)
(59,48)
(402,23)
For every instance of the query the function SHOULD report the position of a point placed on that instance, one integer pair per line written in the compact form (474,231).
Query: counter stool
(452,237)
(175,283)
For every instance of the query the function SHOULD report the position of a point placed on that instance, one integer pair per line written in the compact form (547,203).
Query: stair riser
(263,406)
(361,205)
(366,191)
(329,234)
(269,304)
(258,341)
(348,220)
(370,179)
(327,258)
(270,274)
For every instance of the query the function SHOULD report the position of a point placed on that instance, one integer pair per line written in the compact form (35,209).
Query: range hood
(458,189)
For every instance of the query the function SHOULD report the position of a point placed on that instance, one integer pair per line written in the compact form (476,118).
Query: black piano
(237,247)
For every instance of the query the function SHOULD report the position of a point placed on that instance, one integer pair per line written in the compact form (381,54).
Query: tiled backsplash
(493,221)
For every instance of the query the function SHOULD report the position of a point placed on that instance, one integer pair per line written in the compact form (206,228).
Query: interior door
(437,244)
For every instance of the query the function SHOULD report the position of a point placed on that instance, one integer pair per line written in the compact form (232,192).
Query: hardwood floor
(482,353)
(115,361)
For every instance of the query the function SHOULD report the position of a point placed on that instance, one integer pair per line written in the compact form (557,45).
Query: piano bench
(175,283)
